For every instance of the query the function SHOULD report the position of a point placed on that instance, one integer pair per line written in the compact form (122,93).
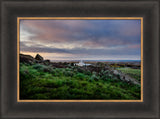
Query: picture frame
(20,19)
(147,9)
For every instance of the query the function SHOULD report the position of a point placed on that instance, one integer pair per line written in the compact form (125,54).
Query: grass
(44,82)
(134,73)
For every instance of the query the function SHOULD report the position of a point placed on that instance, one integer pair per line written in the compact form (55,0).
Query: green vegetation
(134,73)
(44,82)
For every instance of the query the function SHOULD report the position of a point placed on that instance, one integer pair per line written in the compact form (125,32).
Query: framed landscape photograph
(80,59)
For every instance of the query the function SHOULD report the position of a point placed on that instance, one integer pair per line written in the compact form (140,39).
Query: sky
(81,39)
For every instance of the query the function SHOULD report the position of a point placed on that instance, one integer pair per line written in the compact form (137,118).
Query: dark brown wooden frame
(11,9)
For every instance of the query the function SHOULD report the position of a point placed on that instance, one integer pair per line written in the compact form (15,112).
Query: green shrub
(58,72)
(42,68)
(94,77)
(27,73)
(80,76)
(68,73)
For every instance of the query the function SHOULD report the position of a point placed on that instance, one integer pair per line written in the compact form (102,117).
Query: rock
(38,57)
(116,72)
(26,59)
(46,62)
(38,61)
(125,77)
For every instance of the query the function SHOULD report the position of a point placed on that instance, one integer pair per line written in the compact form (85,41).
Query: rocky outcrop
(39,58)
(113,72)
(30,60)
(46,62)
(26,59)
(124,77)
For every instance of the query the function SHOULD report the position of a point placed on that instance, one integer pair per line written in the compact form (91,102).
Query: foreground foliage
(44,82)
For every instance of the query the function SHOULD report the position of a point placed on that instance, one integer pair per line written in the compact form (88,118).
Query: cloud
(83,51)
(85,37)
(39,48)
